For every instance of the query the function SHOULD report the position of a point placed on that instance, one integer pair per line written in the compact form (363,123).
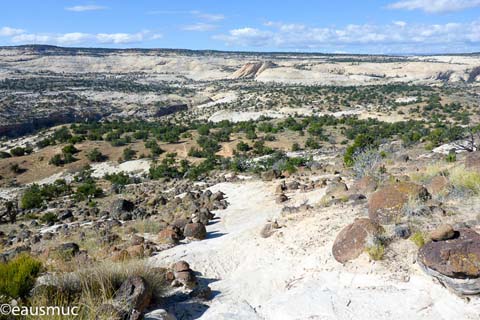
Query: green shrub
(203,130)
(32,198)
(66,156)
(154,148)
(451,157)
(360,143)
(87,190)
(18,276)
(269,137)
(34,195)
(69,149)
(376,252)
(95,156)
(120,178)
(4,155)
(293,163)
(15,168)
(242,146)
(128,154)
(166,168)
(56,160)
(418,239)
(17,152)
(49,217)
(311,143)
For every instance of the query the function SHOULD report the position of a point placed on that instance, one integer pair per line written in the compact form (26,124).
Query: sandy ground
(293,275)
(134,166)
(217,99)
(239,116)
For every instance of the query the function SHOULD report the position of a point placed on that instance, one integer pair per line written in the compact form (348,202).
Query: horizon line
(241,51)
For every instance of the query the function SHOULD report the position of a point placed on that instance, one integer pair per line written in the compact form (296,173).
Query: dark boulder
(195,231)
(133,294)
(386,204)
(352,240)
(122,209)
(457,258)
(170,235)
(454,262)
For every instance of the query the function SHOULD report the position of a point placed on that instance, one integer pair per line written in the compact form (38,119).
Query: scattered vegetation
(418,238)
(18,276)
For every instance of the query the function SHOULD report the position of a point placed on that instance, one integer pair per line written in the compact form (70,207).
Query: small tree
(95,156)
(56,160)
(128,154)
(32,198)
(15,168)
(242,146)
(17,152)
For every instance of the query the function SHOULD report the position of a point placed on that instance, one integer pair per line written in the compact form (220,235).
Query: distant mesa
(251,70)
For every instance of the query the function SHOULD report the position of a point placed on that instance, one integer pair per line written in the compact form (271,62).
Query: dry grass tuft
(464,180)
(89,288)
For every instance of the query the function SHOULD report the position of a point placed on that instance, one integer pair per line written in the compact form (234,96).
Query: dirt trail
(292,275)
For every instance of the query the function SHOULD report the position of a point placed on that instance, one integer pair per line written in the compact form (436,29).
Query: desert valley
(182,184)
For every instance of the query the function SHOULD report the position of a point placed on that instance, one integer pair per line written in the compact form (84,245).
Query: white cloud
(247,37)
(208,16)
(198,14)
(119,38)
(397,37)
(200,27)
(86,8)
(8,32)
(32,38)
(435,6)
(75,38)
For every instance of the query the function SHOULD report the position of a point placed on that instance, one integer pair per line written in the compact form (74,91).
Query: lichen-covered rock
(195,231)
(386,204)
(352,240)
(438,185)
(365,185)
(454,262)
(170,235)
(457,258)
(472,161)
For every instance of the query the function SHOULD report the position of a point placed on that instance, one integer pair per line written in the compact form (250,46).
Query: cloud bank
(20,36)
(86,8)
(435,6)
(398,36)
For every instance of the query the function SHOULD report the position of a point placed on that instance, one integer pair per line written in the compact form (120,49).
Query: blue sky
(353,26)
